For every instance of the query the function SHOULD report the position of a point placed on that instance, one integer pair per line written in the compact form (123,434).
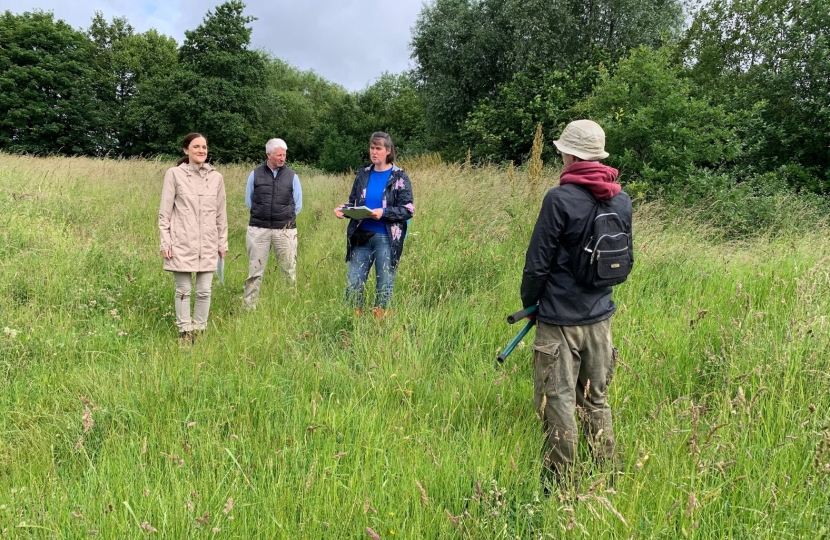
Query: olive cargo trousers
(572,368)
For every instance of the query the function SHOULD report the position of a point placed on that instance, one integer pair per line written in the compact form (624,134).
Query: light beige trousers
(572,369)
(259,242)
(201,306)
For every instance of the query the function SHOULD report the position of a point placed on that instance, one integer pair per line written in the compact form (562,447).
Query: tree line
(733,98)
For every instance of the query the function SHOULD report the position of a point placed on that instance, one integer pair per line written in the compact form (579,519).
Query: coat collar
(189,170)
(371,167)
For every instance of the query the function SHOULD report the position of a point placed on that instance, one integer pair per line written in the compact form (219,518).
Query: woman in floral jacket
(378,239)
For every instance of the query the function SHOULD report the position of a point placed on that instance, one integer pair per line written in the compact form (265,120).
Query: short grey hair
(273,144)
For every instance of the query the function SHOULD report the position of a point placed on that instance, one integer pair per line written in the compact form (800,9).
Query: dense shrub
(657,132)
(770,58)
(501,127)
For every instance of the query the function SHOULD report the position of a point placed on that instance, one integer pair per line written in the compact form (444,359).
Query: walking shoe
(380,313)
(185,339)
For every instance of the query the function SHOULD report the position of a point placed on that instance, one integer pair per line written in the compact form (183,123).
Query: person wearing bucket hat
(573,353)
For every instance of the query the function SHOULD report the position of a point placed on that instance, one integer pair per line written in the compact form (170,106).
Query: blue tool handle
(516,340)
(519,315)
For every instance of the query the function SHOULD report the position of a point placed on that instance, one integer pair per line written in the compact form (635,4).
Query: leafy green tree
(216,89)
(770,59)
(466,49)
(657,132)
(393,104)
(342,134)
(501,126)
(293,107)
(48,98)
(126,59)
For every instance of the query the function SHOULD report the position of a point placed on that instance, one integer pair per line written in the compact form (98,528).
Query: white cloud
(350,42)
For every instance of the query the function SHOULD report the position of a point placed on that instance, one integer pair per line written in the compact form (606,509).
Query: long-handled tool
(511,319)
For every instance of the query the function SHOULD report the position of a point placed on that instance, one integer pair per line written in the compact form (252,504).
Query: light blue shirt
(298,191)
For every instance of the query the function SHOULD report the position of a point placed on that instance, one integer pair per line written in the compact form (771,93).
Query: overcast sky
(350,42)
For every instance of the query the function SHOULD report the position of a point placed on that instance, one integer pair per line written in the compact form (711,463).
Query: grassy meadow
(301,421)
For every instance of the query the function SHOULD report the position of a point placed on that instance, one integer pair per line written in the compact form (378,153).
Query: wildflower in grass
(147,527)
(372,534)
(86,401)
(424,498)
(89,423)
(228,506)
(690,505)
(10,332)
(453,519)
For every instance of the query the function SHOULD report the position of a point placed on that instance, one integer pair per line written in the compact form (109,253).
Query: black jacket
(547,278)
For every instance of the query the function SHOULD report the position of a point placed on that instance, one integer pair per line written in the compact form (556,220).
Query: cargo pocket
(545,357)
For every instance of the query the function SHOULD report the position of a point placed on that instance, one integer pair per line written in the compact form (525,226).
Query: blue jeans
(378,252)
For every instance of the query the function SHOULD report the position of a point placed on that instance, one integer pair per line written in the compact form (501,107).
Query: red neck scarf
(599,178)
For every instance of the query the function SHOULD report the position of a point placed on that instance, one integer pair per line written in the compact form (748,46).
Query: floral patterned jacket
(398,204)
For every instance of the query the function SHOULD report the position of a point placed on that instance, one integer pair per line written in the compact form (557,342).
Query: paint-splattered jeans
(572,368)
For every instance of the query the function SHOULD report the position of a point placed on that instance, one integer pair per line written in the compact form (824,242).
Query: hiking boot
(185,339)
(380,313)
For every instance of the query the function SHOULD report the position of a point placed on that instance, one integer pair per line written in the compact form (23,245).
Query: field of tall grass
(301,421)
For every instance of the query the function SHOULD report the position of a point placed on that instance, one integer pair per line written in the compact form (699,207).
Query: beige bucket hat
(584,139)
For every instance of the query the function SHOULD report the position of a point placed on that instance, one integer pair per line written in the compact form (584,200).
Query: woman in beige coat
(194,231)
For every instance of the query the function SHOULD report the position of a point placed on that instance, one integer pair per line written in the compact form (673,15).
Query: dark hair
(379,136)
(186,144)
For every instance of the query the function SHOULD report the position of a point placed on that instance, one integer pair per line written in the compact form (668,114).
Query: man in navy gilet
(275,198)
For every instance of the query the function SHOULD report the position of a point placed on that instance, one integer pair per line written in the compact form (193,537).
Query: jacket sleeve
(542,250)
(249,191)
(222,215)
(298,195)
(168,196)
(404,207)
(353,196)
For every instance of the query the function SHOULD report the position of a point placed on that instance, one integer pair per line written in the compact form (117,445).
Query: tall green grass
(301,421)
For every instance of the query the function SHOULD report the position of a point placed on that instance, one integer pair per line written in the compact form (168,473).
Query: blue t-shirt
(374,199)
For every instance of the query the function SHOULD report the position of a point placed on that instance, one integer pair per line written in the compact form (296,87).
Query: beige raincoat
(192,218)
